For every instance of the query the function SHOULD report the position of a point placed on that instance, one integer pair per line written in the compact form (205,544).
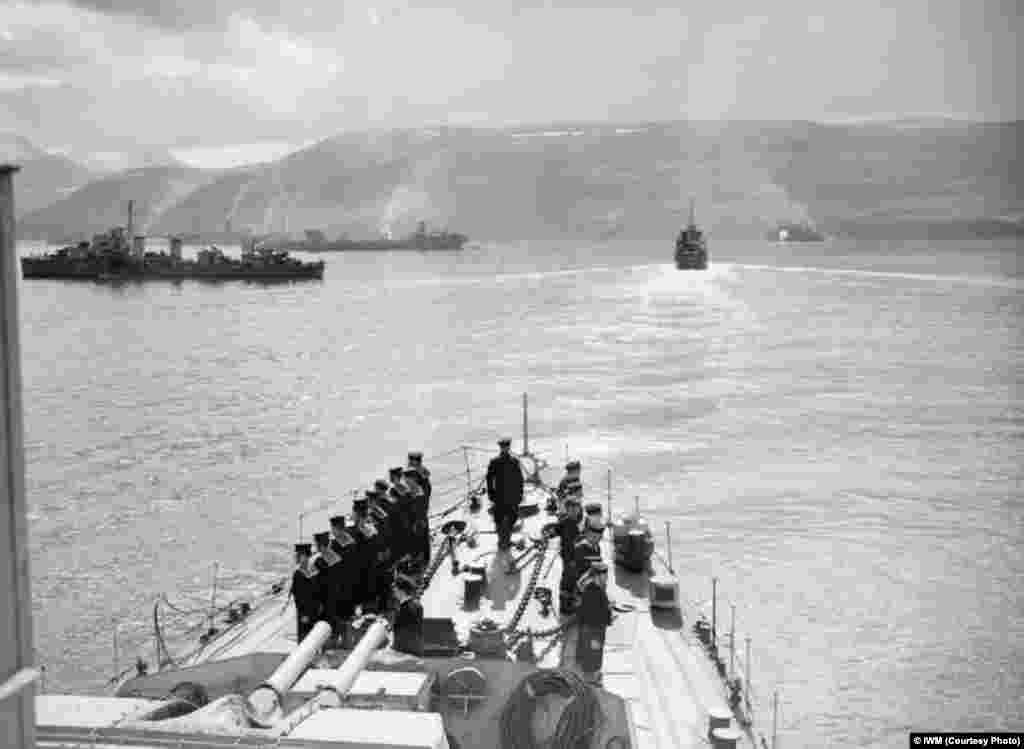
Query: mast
(526,430)
(17,696)
(693,222)
(131,221)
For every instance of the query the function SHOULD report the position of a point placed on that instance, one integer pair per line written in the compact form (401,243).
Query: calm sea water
(834,432)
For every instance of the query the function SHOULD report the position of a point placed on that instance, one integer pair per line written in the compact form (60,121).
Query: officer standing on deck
(305,591)
(505,491)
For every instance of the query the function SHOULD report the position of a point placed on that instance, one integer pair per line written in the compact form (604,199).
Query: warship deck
(659,687)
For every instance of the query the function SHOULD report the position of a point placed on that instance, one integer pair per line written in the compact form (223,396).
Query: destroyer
(691,247)
(420,240)
(119,254)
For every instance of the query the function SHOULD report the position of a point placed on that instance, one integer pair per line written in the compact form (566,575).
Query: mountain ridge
(592,180)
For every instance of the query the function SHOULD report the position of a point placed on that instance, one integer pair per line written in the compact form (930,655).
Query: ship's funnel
(265,701)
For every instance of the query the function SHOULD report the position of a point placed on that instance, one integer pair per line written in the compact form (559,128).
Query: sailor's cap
(338,520)
(594,524)
(592,508)
(381,485)
(304,548)
(322,538)
(396,471)
(572,465)
(416,456)
(504,442)
(359,502)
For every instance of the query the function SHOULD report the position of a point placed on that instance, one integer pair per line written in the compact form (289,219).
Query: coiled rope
(580,718)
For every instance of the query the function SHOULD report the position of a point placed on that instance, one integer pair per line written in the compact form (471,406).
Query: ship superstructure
(691,246)
(119,254)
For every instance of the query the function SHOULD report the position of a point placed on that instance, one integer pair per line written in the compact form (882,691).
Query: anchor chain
(524,601)
(435,563)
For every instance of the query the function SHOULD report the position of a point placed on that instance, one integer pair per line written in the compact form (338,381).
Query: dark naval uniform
(420,531)
(416,461)
(569,534)
(594,617)
(571,485)
(584,555)
(343,581)
(505,490)
(408,627)
(334,593)
(306,593)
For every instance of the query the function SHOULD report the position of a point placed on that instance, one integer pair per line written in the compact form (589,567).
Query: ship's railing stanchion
(668,545)
(775,719)
(714,612)
(732,641)
(610,495)
(117,669)
(526,430)
(746,692)
(213,596)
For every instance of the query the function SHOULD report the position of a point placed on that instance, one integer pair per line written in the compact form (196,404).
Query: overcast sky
(222,81)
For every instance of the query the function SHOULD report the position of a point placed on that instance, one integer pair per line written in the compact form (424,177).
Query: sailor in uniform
(505,491)
(343,582)
(569,533)
(420,531)
(383,511)
(364,566)
(571,485)
(401,526)
(587,550)
(305,591)
(329,571)
(594,617)
(416,461)
(407,625)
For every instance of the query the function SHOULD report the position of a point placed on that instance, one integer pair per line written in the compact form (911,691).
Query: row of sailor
(582,588)
(354,568)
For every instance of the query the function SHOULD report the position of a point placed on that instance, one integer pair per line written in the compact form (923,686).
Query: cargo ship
(795,232)
(120,255)
(420,240)
(691,246)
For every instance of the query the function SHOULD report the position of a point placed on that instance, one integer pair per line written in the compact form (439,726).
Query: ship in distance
(795,232)
(120,255)
(420,240)
(691,246)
